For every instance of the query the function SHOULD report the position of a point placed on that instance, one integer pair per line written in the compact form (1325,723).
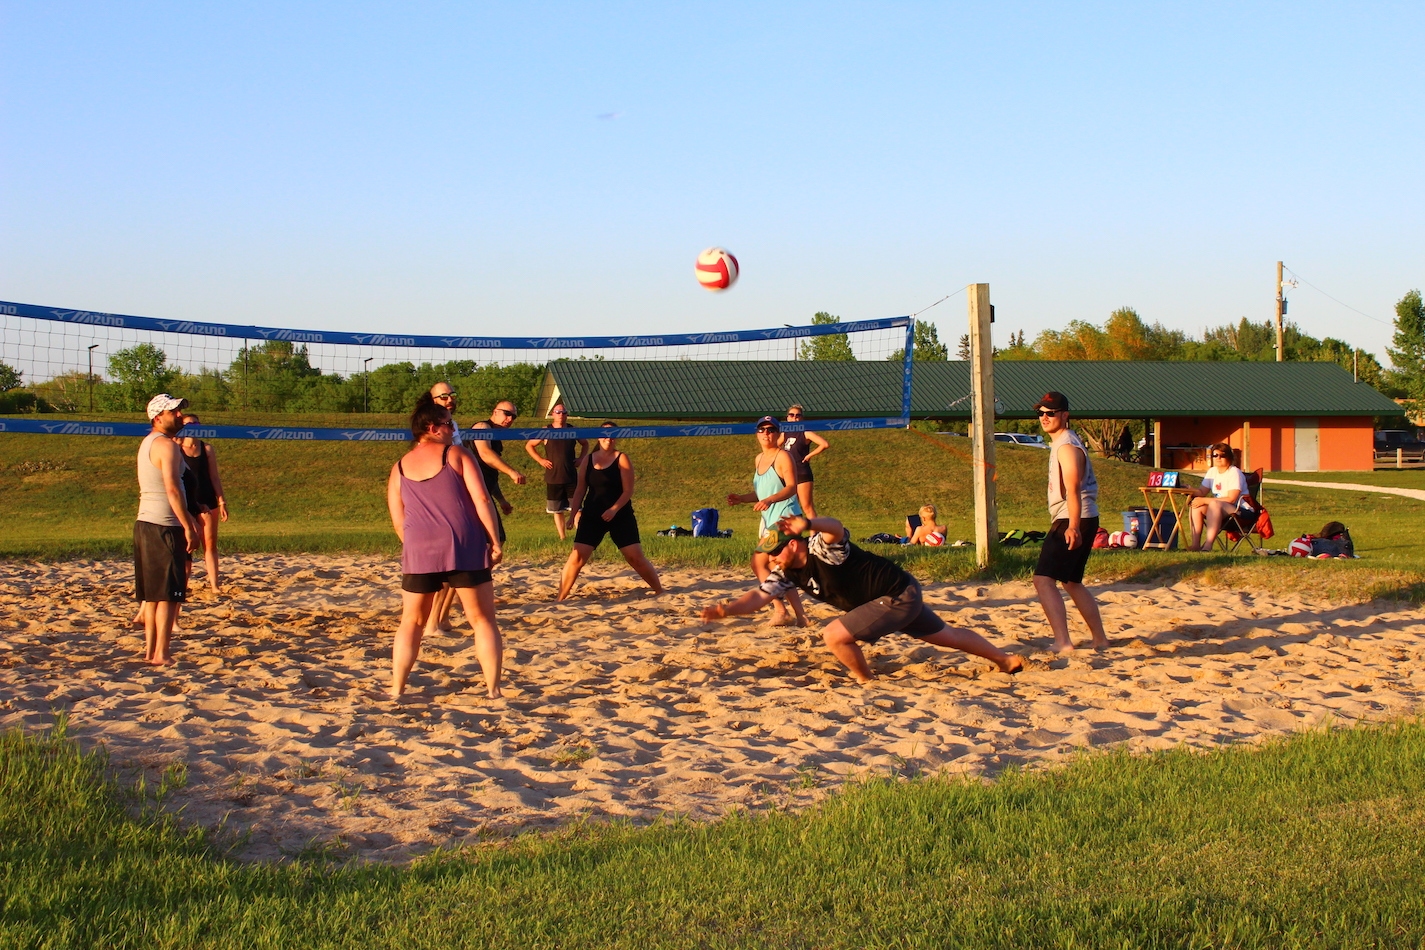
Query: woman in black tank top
(204,464)
(604,499)
(803,447)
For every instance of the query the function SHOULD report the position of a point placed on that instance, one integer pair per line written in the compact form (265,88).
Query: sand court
(619,705)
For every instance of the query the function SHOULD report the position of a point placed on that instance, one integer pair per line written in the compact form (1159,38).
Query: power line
(1341,302)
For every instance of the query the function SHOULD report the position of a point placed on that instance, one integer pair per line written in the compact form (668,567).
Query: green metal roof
(701,389)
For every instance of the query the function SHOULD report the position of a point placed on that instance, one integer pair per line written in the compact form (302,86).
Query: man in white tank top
(1073,509)
(164,532)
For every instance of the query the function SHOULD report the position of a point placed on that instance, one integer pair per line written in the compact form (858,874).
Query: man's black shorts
(1055,558)
(556,497)
(904,613)
(592,528)
(160,555)
(430,583)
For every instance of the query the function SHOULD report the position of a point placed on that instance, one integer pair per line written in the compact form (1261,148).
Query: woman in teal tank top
(774,496)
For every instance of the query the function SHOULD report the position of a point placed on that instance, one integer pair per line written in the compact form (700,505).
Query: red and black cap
(1053,401)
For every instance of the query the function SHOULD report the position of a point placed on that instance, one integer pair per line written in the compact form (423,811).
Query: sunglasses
(1218,455)
(1046,413)
(507,413)
(449,395)
(443,425)
(767,429)
(559,412)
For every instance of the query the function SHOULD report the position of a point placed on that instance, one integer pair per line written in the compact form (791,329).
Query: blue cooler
(705,523)
(1166,522)
(1136,521)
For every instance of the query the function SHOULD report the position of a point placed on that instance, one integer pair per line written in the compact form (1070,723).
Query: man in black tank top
(560,462)
(488,453)
(817,556)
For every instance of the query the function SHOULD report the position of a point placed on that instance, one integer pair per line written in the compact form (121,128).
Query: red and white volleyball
(716,269)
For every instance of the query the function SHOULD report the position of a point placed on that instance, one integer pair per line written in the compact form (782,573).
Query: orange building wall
(1346,445)
(1346,442)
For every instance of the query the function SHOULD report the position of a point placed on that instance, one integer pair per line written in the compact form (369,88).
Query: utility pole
(1281,336)
(982,425)
(91,376)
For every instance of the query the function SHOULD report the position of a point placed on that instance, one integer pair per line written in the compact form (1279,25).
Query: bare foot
(1101,645)
(785,621)
(495,694)
(1062,648)
(1012,664)
(162,661)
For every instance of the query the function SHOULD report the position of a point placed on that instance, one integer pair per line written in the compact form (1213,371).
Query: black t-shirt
(489,473)
(840,574)
(561,453)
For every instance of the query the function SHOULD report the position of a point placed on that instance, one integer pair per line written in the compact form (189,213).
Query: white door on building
(1308,446)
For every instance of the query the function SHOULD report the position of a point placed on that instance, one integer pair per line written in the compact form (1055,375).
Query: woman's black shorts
(430,583)
(592,528)
(1055,558)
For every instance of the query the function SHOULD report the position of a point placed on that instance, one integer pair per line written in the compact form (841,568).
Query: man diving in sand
(817,556)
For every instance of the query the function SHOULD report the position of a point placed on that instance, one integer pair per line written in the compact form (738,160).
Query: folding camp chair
(1246,522)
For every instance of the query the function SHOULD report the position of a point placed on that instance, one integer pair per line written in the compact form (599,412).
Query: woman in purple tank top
(446,522)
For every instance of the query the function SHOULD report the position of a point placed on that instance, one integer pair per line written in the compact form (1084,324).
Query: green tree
(272,375)
(833,346)
(926,345)
(10,378)
(1407,356)
(140,373)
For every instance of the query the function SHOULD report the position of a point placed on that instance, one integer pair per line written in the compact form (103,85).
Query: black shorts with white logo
(556,497)
(1060,563)
(160,556)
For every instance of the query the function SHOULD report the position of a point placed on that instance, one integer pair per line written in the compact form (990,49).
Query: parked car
(1021,438)
(1406,440)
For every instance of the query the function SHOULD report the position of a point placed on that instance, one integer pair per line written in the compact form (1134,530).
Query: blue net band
(243,332)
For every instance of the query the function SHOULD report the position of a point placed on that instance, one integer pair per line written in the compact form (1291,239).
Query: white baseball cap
(164,402)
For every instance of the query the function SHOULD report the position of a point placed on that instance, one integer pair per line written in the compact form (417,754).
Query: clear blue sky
(420,167)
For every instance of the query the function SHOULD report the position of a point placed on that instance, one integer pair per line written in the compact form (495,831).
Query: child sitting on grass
(927,532)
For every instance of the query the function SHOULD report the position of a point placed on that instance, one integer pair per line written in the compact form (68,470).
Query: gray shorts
(904,613)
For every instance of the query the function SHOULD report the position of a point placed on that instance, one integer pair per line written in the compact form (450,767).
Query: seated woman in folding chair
(1223,491)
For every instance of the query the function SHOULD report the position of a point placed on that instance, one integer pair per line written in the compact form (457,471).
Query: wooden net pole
(982,424)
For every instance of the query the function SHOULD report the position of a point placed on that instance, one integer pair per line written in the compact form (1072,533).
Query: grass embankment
(1314,841)
(75,496)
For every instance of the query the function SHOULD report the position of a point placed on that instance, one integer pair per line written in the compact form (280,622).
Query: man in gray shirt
(1073,509)
(164,531)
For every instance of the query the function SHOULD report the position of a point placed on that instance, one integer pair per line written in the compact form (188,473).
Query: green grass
(1391,478)
(1311,842)
(74,496)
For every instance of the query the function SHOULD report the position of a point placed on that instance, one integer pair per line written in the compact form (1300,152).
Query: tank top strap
(444,456)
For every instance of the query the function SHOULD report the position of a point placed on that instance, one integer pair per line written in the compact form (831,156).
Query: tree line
(273,376)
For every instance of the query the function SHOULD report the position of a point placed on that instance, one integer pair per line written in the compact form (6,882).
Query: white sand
(621,705)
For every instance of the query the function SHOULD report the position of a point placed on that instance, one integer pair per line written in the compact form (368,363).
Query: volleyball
(716,269)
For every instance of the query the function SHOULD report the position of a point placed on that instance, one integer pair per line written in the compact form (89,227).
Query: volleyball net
(75,362)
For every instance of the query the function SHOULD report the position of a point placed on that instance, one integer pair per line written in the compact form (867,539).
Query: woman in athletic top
(774,494)
(445,519)
(803,447)
(203,462)
(603,505)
